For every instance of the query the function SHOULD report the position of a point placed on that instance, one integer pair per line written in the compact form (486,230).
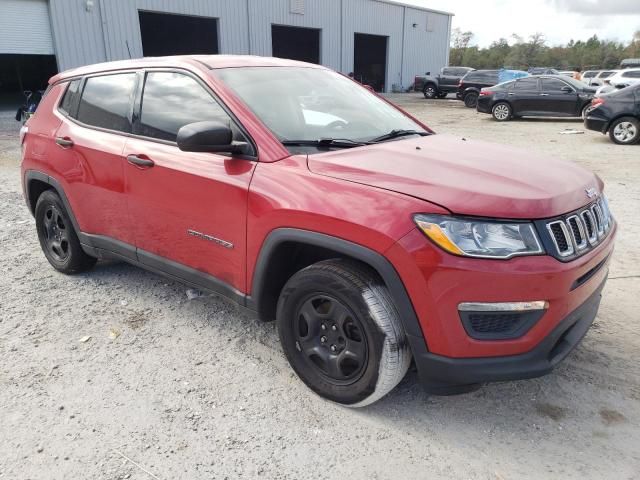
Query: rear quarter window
(71,98)
(106,101)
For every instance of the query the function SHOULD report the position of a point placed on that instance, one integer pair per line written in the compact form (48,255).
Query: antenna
(128,49)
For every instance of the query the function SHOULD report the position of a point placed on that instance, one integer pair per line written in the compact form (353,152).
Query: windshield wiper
(325,142)
(397,134)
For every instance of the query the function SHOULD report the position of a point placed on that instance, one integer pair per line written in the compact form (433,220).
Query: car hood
(467,177)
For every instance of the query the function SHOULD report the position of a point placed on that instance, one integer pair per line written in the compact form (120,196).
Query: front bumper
(445,375)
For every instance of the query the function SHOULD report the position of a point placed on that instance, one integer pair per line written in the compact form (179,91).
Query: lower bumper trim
(446,375)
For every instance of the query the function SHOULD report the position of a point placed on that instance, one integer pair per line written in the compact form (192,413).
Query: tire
(471,100)
(430,91)
(585,111)
(625,131)
(58,239)
(501,112)
(342,306)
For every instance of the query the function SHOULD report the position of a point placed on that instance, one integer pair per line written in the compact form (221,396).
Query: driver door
(188,209)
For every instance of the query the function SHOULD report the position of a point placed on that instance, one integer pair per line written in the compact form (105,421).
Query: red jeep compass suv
(301,195)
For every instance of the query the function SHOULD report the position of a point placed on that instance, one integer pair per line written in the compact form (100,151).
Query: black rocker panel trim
(105,247)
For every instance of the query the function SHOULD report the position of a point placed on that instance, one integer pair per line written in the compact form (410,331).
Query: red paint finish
(203,192)
(366,195)
(438,282)
(468,177)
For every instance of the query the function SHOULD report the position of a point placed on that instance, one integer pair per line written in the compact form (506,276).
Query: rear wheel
(501,111)
(625,131)
(430,91)
(57,237)
(471,100)
(342,333)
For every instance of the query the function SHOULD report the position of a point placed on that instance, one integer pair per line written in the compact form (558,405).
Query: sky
(559,20)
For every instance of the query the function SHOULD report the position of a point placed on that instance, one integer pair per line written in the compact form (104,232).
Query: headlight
(480,238)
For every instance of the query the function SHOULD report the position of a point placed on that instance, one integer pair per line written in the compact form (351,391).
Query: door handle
(64,142)
(140,162)
(544,94)
(511,94)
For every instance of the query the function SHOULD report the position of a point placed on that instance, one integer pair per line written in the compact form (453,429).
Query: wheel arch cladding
(286,251)
(38,182)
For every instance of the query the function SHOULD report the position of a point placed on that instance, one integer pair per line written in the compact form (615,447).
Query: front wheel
(471,100)
(501,111)
(342,333)
(625,131)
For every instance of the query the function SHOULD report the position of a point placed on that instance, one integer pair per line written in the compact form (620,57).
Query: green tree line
(519,53)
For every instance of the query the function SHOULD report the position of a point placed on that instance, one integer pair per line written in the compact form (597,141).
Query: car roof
(207,62)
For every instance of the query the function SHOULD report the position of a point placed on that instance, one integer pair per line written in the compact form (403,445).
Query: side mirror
(567,89)
(428,73)
(208,136)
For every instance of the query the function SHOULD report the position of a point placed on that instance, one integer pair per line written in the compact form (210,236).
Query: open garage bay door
(27,59)
(370,60)
(171,34)
(296,43)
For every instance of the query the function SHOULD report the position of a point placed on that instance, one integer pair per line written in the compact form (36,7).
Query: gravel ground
(167,387)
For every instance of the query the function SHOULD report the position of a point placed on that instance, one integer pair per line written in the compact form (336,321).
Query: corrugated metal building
(385,43)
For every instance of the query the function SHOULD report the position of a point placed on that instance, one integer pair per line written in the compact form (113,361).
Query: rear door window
(71,97)
(526,84)
(172,100)
(106,101)
(552,85)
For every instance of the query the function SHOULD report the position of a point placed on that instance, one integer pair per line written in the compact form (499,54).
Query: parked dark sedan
(617,113)
(539,96)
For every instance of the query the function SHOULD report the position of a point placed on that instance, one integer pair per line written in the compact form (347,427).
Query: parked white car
(629,76)
(596,78)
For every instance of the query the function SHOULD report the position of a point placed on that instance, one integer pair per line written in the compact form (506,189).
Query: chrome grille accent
(590,226)
(580,230)
(560,236)
(577,232)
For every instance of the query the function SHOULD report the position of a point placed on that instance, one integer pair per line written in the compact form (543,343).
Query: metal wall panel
(123,26)
(25,27)
(426,45)
(93,31)
(321,14)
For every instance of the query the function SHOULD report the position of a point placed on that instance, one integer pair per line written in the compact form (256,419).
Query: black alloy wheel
(341,332)
(471,100)
(331,338)
(57,236)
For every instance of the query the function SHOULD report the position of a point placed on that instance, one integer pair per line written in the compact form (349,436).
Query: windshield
(298,103)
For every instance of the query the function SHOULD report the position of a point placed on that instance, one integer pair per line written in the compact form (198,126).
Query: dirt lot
(199,389)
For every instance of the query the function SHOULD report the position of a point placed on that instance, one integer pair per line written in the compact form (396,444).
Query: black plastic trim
(526,321)
(375,260)
(43,177)
(445,375)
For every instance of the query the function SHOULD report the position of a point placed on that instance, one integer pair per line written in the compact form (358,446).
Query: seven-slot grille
(580,231)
